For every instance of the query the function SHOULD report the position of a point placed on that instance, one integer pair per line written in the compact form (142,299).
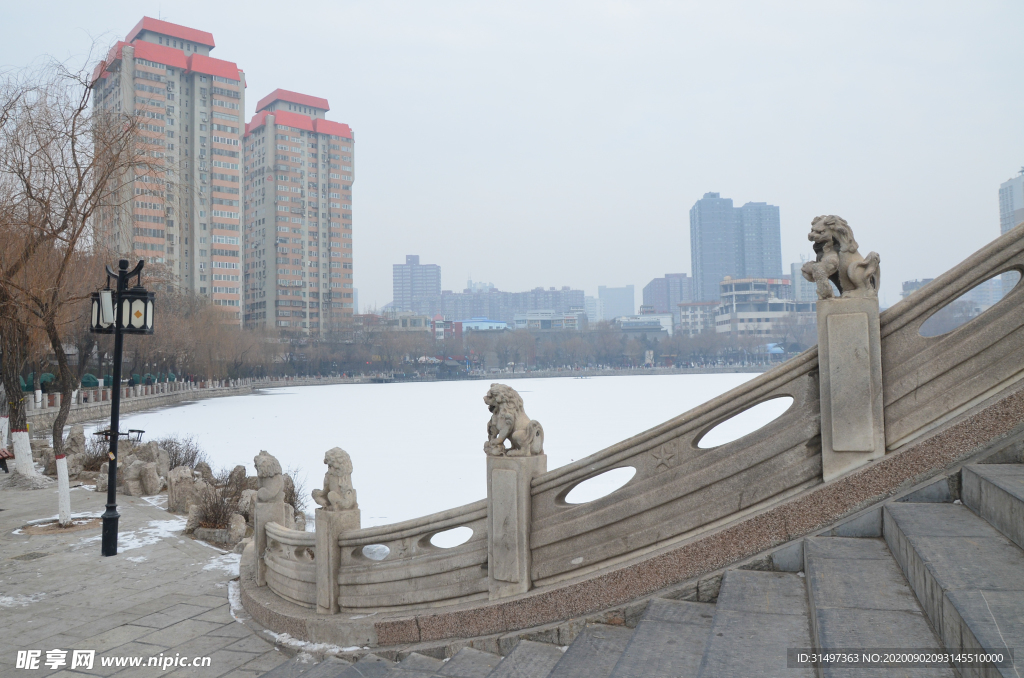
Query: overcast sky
(563,143)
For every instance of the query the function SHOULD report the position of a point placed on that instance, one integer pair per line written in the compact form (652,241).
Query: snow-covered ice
(417,448)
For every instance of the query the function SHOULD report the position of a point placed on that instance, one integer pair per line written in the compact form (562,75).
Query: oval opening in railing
(449,539)
(746,422)
(969,305)
(376,551)
(600,485)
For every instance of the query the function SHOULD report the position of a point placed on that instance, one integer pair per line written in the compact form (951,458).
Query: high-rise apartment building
(298,216)
(618,301)
(416,287)
(185,213)
(665,294)
(1011,202)
(732,241)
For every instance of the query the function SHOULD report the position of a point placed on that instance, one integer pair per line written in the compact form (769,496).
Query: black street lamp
(119,312)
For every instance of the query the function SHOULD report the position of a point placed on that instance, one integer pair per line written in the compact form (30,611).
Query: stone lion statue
(338,494)
(509,422)
(268,470)
(839,261)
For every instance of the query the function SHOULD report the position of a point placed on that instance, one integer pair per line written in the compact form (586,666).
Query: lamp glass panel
(106,307)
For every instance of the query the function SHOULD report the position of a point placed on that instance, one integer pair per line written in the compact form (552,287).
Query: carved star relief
(663,457)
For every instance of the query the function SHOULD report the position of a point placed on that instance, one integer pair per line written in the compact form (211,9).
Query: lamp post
(120,311)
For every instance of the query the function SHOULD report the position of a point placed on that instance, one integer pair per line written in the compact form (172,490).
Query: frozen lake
(417,448)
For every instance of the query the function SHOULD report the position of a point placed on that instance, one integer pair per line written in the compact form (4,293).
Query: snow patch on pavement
(145,536)
(228,562)
(21,600)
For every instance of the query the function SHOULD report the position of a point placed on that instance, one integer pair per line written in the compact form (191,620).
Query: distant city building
(416,287)
(298,176)
(759,306)
(617,301)
(1011,202)
(741,242)
(986,294)
(1011,214)
(697,317)
(911,286)
(546,320)
(647,323)
(489,302)
(483,325)
(664,294)
(801,288)
(594,309)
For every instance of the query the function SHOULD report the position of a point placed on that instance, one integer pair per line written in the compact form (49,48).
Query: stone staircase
(940,575)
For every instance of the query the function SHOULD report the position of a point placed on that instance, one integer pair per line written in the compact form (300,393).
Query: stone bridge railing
(414,571)
(291,571)
(527,537)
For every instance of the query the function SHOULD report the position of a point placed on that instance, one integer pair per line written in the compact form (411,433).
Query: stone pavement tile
(221,662)
(220,615)
(97,626)
(235,630)
(177,634)
(152,604)
(251,644)
(170,615)
(118,636)
(266,661)
(132,649)
(207,644)
(239,673)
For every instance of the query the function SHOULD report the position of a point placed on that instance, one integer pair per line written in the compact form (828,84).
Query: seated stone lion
(510,422)
(268,470)
(338,494)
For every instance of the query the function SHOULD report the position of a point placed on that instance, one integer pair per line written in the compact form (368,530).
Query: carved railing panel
(415,572)
(680,488)
(930,380)
(291,570)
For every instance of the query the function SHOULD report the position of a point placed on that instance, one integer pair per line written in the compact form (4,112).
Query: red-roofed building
(186,213)
(299,171)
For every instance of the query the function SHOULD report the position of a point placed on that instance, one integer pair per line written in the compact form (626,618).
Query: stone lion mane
(510,422)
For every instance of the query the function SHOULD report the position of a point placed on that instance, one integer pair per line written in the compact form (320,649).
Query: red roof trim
(173,30)
(210,66)
(294,98)
(330,127)
(168,56)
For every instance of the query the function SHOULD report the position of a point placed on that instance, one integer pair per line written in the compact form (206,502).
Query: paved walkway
(163,594)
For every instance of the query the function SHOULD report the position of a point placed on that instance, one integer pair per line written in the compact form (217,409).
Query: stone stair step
(594,653)
(469,663)
(859,598)
(996,493)
(368,666)
(415,665)
(758,616)
(965,572)
(528,659)
(668,640)
(328,668)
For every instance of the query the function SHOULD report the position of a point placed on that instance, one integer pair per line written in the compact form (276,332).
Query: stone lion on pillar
(338,494)
(268,470)
(510,422)
(839,261)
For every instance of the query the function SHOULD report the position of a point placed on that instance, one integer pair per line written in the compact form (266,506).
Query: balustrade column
(509,516)
(266,512)
(329,526)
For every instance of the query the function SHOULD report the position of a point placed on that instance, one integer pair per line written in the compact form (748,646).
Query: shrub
(95,454)
(295,491)
(183,451)
(216,508)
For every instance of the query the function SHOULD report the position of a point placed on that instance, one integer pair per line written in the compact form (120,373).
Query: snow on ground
(227,562)
(145,536)
(20,600)
(417,448)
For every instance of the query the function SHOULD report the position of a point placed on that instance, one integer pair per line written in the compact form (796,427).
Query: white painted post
(63,492)
(22,453)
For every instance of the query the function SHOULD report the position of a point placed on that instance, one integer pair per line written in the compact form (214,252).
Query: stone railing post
(849,348)
(850,374)
(509,517)
(270,508)
(338,512)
